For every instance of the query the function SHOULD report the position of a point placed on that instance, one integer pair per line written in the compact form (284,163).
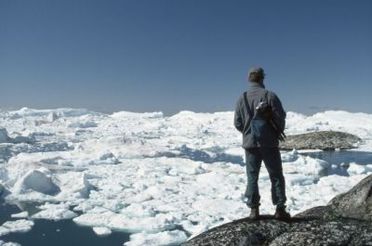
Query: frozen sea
(148,179)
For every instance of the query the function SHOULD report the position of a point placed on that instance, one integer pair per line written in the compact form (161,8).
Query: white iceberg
(38,181)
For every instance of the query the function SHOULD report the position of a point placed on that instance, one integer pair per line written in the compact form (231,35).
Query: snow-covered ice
(23,214)
(21,225)
(38,181)
(54,212)
(102,231)
(2,243)
(173,237)
(161,178)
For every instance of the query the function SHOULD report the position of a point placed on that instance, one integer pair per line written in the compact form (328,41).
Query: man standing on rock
(260,117)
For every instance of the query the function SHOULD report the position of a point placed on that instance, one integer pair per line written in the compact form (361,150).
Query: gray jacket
(254,95)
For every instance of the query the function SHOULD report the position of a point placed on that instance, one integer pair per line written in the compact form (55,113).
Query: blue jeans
(273,163)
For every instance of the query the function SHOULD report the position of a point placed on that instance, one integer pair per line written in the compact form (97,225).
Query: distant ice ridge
(161,178)
(60,112)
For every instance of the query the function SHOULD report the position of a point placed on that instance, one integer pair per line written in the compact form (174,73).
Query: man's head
(256,74)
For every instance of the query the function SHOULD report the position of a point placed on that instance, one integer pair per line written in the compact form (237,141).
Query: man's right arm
(238,116)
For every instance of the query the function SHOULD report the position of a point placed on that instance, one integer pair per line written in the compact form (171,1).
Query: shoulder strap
(266,96)
(246,104)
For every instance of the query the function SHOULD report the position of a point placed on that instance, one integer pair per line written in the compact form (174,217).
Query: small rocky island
(346,220)
(324,140)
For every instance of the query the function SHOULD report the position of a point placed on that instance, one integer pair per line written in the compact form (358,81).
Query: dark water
(342,157)
(57,233)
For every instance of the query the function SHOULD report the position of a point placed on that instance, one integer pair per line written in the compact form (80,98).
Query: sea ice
(2,243)
(38,181)
(159,222)
(21,225)
(102,231)
(20,215)
(173,237)
(74,185)
(355,169)
(54,212)
(161,178)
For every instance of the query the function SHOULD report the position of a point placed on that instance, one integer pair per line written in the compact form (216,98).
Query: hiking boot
(281,214)
(255,213)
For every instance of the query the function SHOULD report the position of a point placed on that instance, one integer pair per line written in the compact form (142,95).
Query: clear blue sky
(172,55)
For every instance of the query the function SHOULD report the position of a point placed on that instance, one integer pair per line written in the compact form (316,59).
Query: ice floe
(20,215)
(2,243)
(54,212)
(102,231)
(21,225)
(173,237)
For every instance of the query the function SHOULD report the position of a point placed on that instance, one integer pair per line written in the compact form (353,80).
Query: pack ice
(161,178)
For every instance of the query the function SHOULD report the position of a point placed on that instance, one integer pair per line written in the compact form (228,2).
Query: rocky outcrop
(357,203)
(346,220)
(324,140)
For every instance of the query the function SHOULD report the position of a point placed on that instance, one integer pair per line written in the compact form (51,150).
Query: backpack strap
(246,104)
(266,96)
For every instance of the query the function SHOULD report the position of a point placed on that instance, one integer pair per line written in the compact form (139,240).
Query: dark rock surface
(354,204)
(325,140)
(346,220)
(357,203)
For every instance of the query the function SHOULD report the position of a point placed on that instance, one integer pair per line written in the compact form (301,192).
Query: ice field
(161,178)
